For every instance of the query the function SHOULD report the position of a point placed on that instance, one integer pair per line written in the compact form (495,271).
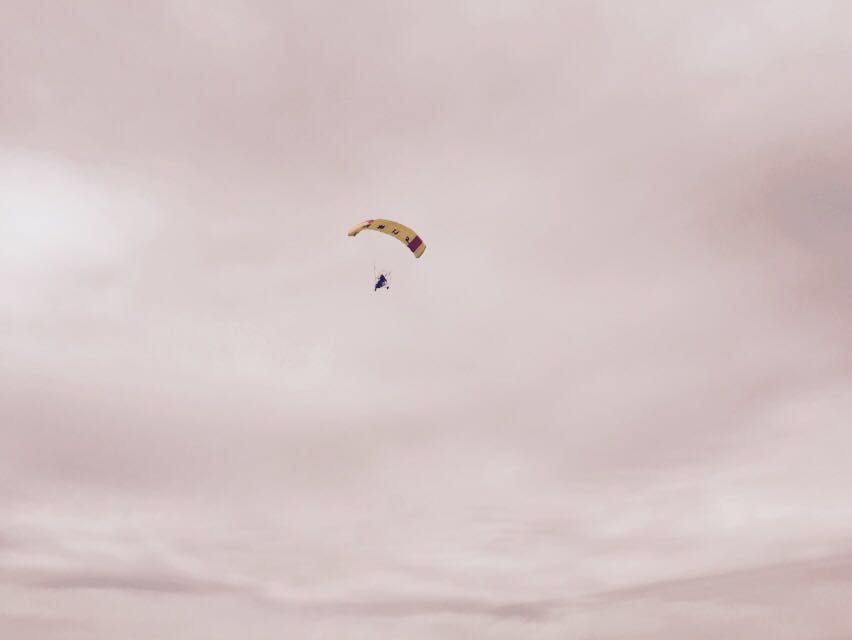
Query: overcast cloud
(613,400)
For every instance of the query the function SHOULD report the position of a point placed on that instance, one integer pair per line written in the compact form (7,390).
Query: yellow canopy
(402,233)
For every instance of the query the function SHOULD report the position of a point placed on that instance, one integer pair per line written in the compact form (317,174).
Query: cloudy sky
(613,399)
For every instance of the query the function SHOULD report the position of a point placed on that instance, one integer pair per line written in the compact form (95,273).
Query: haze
(612,401)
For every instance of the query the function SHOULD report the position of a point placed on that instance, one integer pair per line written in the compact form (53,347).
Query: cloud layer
(612,400)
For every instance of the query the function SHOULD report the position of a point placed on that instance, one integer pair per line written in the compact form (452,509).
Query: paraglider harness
(382,282)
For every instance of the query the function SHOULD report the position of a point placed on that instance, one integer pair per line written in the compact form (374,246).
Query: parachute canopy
(402,233)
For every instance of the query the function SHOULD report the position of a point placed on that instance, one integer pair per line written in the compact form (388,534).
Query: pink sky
(612,401)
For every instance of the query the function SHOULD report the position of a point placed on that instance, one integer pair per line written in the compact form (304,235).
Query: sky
(612,400)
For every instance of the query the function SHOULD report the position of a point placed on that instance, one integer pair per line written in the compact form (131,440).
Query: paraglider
(404,234)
